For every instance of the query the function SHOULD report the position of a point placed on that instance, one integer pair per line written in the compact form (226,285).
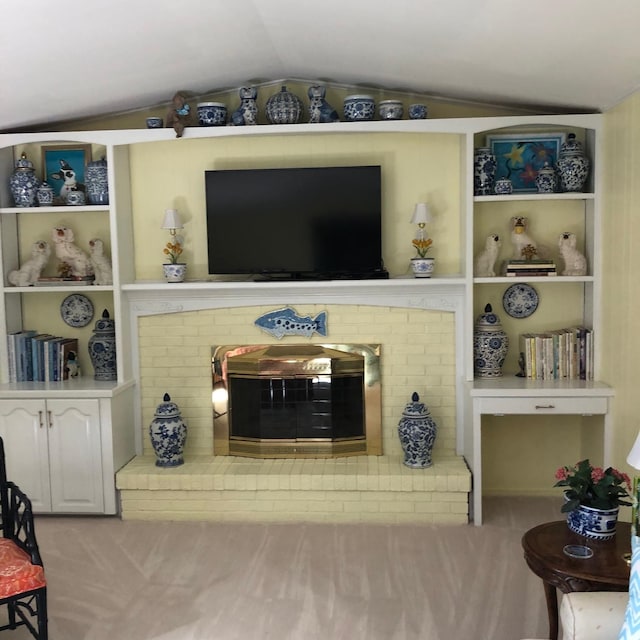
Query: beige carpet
(114,580)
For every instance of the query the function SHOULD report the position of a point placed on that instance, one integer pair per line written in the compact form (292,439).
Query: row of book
(554,355)
(41,357)
(528,268)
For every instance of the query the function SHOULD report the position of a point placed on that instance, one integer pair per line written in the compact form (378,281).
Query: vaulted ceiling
(66,61)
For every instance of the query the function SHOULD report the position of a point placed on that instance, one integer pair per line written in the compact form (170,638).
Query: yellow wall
(415,168)
(621,249)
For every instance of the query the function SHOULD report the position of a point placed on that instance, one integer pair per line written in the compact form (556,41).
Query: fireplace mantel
(446,294)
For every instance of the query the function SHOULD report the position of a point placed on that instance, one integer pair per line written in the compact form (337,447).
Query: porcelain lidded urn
(573,165)
(490,345)
(417,433)
(168,433)
(102,349)
(23,183)
(284,107)
(484,171)
(97,182)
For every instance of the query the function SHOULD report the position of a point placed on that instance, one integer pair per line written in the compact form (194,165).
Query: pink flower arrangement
(593,486)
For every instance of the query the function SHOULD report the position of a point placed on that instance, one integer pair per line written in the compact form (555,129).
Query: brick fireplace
(417,334)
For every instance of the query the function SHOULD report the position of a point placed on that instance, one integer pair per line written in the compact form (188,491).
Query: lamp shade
(171,220)
(634,455)
(421,214)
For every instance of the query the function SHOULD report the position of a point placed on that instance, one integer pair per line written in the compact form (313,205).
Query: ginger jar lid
(23,162)
(415,408)
(105,323)
(98,163)
(571,147)
(167,409)
(488,321)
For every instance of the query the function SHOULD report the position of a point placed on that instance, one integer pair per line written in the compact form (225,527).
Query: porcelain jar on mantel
(168,433)
(417,433)
(175,272)
(490,345)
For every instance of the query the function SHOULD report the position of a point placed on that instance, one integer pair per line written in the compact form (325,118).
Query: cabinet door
(24,427)
(75,456)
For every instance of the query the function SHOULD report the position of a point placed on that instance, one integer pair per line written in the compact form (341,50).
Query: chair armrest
(596,615)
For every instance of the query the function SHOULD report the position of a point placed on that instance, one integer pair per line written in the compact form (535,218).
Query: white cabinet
(53,450)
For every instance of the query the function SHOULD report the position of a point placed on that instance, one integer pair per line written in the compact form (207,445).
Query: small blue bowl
(154,122)
(358,108)
(212,114)
(417,111)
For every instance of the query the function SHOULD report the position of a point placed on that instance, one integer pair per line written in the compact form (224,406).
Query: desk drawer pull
(545,406)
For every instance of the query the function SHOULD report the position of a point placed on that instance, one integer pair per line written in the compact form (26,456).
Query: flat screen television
(298,223)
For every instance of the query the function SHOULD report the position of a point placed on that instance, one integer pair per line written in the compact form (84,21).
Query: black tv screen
(296,222)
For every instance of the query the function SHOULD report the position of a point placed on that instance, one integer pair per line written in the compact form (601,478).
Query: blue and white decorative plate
(520,300)
(76,310)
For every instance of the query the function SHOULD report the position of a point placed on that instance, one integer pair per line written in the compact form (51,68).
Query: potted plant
(421,265)
(174,271)
(593,498)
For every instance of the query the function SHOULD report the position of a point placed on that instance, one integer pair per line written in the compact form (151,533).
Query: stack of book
(554,355)
(40,357)
(528,268)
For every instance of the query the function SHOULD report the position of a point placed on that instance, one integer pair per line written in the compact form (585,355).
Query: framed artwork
(64,166)
(520,156)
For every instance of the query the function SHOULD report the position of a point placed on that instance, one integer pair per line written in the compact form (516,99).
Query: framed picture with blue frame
(64,168)
(520,156)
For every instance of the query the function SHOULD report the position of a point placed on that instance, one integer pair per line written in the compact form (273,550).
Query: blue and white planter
(168,433)
(422,267)
(175,272)
(595,524)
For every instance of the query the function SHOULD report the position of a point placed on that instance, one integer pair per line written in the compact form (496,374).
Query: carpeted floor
(115,580)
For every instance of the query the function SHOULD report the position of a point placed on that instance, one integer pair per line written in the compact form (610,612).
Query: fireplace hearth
(296,401)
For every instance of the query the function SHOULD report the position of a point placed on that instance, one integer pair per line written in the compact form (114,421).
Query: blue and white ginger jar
(417,432)
(284,107)
(484,171)
(490,345)
(168,433)
(97,182)
(573,165)
(102,349)
(23,183)
(547,179)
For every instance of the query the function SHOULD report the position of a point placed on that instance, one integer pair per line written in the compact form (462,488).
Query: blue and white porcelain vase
(422,267)
(573,165)
(23,183)
(284,107)
(547,179)
(168,433)
(97,182)
(595,524)
(44,194)
(484,172)
(102,349)
(417,433)
(490,345)
(503,187)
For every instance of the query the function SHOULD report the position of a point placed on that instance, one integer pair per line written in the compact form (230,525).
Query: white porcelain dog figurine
(70,254)
(30,271)
(486,259)
(575,264)
(100,263)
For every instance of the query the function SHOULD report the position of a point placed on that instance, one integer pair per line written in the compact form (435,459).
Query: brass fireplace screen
(296,400)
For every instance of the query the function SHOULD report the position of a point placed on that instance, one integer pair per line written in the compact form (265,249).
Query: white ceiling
(62,61)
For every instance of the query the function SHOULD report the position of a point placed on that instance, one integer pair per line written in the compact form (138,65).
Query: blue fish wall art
(286,322)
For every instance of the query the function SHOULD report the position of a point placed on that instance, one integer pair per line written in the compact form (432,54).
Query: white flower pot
(422,267)
(174,272)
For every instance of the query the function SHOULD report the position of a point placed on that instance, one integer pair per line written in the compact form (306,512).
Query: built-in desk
(520,396)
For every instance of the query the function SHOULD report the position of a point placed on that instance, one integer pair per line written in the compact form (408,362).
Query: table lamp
(421,216)
(171,221)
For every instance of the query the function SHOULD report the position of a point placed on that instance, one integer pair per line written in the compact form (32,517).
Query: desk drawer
(527,405)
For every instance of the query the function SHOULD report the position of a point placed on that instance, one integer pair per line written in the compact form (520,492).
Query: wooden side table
(606,570)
